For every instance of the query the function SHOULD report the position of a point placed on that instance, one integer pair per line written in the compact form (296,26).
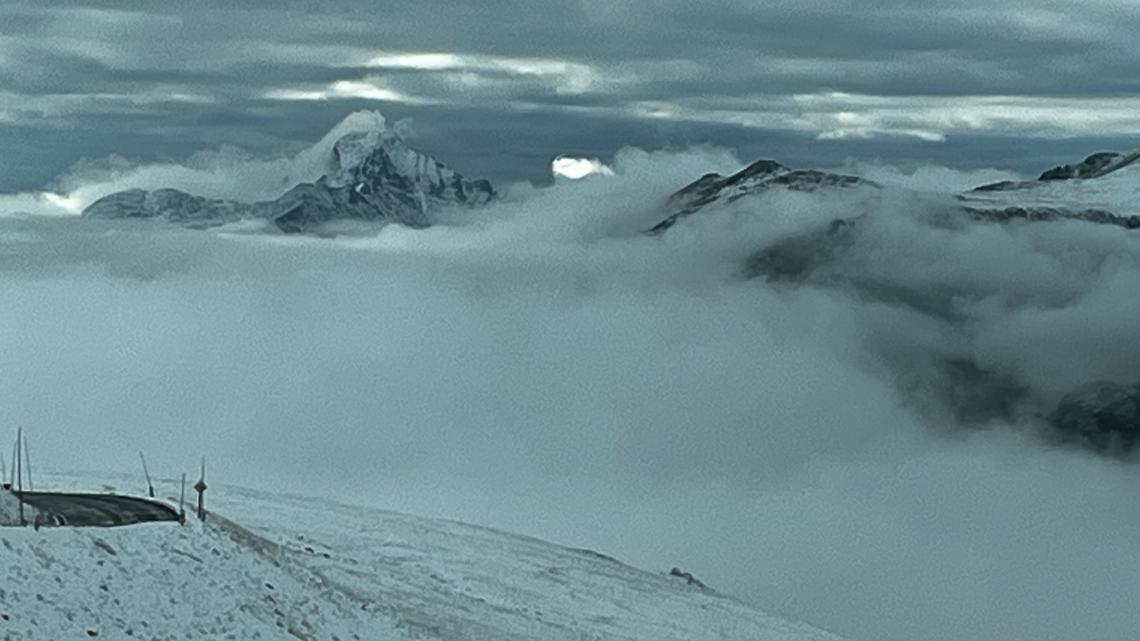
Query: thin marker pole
(19,475)
(28,464)
(182,501)
(149,485)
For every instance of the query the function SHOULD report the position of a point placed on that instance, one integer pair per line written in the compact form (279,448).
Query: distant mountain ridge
(1095,166)
(758,177)
(979,203)
(374,176)
(1103,415)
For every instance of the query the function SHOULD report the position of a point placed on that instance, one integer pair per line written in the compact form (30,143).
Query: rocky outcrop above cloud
(168,204)
(760,176)
(374,176)
(1095,166)
(1047,202)
(1105,414)
(1043,213)
(852,255)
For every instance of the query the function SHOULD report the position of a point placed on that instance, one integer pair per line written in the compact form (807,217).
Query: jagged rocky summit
(373,176)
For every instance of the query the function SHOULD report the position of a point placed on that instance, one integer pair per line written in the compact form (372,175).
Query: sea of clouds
(544,367)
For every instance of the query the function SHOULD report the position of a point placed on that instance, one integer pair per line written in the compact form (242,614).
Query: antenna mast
(28,464)
(12,477)
(146,472)
(19,474)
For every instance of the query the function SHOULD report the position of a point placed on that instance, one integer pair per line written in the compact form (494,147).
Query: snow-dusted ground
(265,566)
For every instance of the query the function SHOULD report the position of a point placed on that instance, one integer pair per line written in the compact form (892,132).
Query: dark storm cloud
(895,69)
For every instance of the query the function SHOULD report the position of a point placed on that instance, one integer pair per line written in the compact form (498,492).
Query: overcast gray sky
(498,87)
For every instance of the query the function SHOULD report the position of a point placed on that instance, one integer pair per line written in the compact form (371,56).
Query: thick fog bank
(544,367)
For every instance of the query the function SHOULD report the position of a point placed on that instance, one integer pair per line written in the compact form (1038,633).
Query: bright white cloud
(369,89)
(838,115)
(831,115)
(572,77)
(225,173)
(577,168)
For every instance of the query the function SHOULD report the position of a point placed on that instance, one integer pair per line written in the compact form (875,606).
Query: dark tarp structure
(96,510)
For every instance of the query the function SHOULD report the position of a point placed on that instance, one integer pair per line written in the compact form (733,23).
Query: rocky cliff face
(168,204)
(376,177)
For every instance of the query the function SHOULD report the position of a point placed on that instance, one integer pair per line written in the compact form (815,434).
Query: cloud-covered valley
(861,446)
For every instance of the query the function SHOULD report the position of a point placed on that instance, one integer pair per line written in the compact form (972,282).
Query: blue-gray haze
(543,367)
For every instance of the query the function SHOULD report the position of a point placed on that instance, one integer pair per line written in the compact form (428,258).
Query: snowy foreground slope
(277,567)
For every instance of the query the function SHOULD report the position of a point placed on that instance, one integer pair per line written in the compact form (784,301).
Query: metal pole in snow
(19,474)
(182,501)
(28,464)
(146,472)
(12,478)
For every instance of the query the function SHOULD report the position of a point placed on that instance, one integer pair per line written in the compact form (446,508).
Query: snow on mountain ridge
(373,175)
(1102,182)
(756,178)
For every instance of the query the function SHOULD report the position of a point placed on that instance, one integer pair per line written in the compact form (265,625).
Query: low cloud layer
(544,367)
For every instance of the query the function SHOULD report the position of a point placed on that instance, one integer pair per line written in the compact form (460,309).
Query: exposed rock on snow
(1099,216)
(758,177)
(1095,166)
(376,177)
(170,205)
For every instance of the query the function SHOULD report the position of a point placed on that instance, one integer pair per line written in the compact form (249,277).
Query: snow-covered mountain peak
(376,159)
(373,175)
